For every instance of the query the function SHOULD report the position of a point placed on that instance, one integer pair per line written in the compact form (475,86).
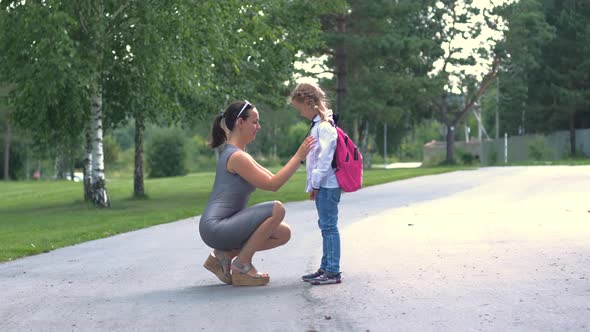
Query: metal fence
(512,149)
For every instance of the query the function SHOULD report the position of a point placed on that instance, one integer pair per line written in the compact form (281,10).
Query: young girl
(322,185)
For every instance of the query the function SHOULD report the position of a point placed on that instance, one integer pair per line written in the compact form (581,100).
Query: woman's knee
(278,211)
(287,232)
(283,233)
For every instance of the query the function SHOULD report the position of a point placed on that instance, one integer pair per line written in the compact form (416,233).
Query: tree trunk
(7,141)
(450,144)
(573,134)
(341,67)
(365,146)
(58,166)
(28,164)
(99,191)
(138,188)
(497,107)
(385,144)
(88,166)
(355,130)
(362,142)
(72,163)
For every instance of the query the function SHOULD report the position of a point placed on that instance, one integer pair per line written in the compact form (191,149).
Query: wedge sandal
(240,276)
(219,266)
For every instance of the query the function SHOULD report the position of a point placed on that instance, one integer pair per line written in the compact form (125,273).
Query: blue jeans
(326,203)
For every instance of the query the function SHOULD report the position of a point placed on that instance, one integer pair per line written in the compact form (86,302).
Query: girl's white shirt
(319,160)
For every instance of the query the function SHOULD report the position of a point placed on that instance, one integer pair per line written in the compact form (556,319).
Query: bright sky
(471,45)
(313,65)
(316,65)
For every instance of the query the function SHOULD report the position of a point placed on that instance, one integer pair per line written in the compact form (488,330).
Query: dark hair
(230,115)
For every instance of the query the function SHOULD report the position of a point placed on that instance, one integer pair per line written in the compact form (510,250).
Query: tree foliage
(546,85)
(382,51)
(166,155)
(460,85)
(41,60)
(162,62)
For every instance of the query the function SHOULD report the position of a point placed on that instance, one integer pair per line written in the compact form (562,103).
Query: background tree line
(76,69)
(402,74)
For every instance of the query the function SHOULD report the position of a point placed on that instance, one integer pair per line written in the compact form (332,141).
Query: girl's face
(305,110)
(250,126)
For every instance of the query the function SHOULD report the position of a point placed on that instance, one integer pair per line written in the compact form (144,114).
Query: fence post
(505,148)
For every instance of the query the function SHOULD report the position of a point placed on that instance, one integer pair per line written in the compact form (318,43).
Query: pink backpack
(347,163)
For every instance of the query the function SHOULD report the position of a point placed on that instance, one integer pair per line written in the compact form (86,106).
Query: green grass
(567,162)
(37,217)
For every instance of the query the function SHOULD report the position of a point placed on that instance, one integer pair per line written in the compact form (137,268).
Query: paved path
(497,249)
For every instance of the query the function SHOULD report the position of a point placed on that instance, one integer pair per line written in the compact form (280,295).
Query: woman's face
(304,110)
(251,125)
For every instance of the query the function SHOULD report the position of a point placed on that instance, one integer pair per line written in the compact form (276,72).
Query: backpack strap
(331,121)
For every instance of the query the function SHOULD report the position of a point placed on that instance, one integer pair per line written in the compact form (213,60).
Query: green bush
(200,156)
(203,163)
(199,144)
(112,150)
(125,136)
(290,142)
(537,148)
(124,166)
(465,157)
(412,151)
(166,154)
(493,157)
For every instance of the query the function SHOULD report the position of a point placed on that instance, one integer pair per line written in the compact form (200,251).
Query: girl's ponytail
(218,135)
(323,114)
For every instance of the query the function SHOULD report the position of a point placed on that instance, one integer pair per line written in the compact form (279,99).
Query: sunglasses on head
(246,103)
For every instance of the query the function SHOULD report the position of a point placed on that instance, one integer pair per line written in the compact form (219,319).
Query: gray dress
(227,223)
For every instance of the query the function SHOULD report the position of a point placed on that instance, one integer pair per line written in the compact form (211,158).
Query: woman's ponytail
(218,135)
(230,116)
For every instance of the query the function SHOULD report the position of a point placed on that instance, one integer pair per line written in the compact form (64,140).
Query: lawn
(567,161)
(37,217)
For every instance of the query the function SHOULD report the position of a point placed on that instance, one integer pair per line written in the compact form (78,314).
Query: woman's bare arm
(244,165)
(262,168)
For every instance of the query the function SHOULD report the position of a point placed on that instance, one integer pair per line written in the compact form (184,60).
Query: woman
(232,229)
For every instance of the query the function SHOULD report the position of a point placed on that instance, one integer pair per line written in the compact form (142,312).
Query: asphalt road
(496,249)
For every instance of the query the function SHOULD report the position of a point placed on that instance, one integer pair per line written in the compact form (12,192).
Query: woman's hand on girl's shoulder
(305,147)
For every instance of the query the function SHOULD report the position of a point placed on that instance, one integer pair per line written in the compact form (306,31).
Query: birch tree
(59,58)
(143,61)
(207,52)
